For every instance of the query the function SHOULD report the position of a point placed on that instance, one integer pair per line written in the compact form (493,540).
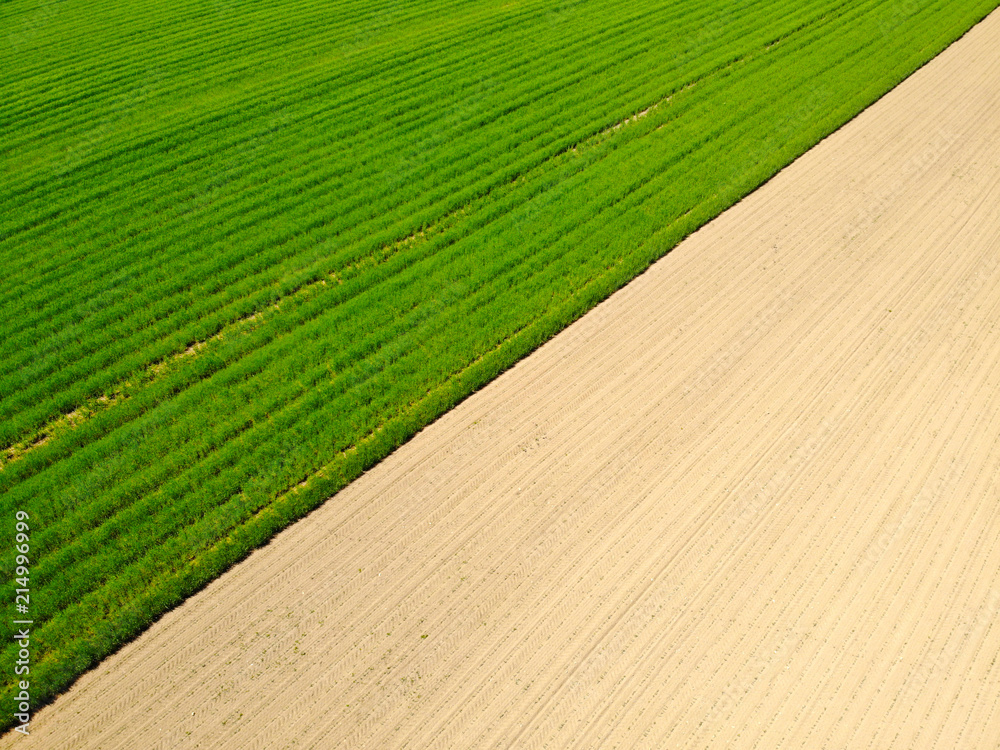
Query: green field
(250,248)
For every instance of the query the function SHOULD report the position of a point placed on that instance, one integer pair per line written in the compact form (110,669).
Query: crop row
(65,374)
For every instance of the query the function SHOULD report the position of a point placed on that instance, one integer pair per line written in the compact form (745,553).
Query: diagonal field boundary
(750,501)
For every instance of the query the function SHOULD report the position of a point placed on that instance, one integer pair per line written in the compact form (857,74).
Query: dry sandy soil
(751,501)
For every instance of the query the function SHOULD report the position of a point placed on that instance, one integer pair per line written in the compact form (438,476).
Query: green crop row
(65,374)
(32,381)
